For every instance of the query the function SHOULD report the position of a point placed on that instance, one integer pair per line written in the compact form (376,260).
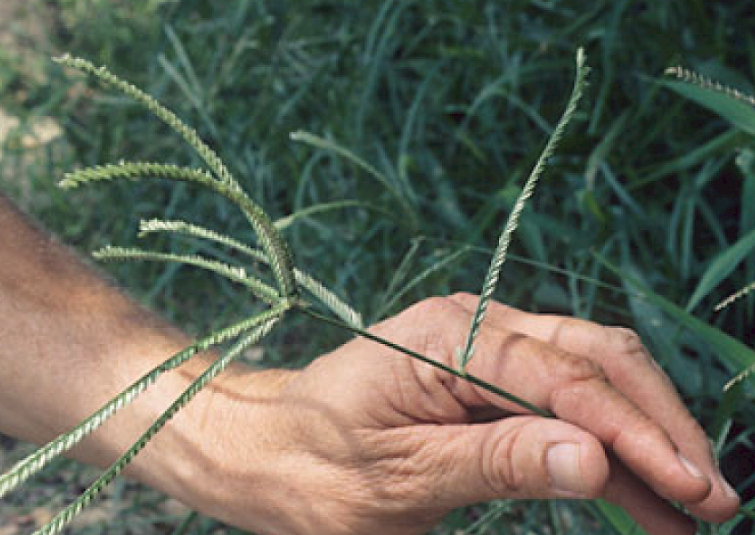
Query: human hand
(366,440)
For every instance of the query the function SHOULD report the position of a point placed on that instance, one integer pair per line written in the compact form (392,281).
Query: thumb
(517,457)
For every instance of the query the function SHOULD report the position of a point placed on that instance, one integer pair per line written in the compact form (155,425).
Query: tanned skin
(364,440)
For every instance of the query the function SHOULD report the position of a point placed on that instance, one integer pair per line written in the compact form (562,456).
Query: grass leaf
(730,350)
(729,103)
(721,267)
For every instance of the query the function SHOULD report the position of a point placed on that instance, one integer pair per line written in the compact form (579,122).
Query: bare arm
(70,341)
(363,440)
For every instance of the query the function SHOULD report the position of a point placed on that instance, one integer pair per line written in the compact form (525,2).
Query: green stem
(461,375)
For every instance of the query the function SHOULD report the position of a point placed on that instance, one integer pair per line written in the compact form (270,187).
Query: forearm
(69,342)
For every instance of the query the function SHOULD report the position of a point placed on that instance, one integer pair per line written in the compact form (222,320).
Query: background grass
(451,103)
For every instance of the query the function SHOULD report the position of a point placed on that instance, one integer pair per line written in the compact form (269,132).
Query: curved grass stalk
(328,145)
(499,257)
(281,260)
(270,239)
(35,462)
(237,274)
(158,110)
(735,297)
(309,283)
(289,220)
(67,514)
(453,257)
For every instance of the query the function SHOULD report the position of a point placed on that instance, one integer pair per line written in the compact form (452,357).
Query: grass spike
(70,512)
(234,273)
(735,297)
(499,257)
(330,300)
(692,77)
(282,262)
(35,462)
(269,237)
(158,110)
(741,376)
(306,281)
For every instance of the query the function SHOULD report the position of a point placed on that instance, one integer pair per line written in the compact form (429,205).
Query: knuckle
(574,368)
(624,339)
(628,346)
(499,469)
(432,307)
(651,433)
(464,297)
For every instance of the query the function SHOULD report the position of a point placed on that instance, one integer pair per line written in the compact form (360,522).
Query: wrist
(220,454)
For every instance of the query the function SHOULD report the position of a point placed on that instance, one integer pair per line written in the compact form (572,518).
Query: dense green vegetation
(449,104)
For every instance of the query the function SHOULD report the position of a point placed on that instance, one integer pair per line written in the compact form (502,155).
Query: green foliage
(439,98)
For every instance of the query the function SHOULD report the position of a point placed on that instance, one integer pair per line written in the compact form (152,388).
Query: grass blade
(729,349)
(721,267)
(729,103)
(331,146)
(285,222)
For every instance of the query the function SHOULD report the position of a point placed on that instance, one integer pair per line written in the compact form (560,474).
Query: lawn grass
(449,104)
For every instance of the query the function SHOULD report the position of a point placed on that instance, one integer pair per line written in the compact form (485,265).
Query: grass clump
(437,99)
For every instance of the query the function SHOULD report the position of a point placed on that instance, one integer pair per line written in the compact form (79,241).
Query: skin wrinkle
(497,463)
(571,392)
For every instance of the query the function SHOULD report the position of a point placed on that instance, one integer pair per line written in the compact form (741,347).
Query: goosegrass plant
(280,298)
(449,103)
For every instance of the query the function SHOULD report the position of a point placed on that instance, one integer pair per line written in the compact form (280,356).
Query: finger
(527,457)
(518,457)
(632,371)
(576,390)
(655,515)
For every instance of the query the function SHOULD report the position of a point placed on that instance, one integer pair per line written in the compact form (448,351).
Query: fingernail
(727,488)
(691,469)
(565,474)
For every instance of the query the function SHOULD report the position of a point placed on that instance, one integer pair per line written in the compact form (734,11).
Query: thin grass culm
(499,256)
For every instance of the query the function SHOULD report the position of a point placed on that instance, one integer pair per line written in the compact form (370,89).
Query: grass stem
(461,375)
